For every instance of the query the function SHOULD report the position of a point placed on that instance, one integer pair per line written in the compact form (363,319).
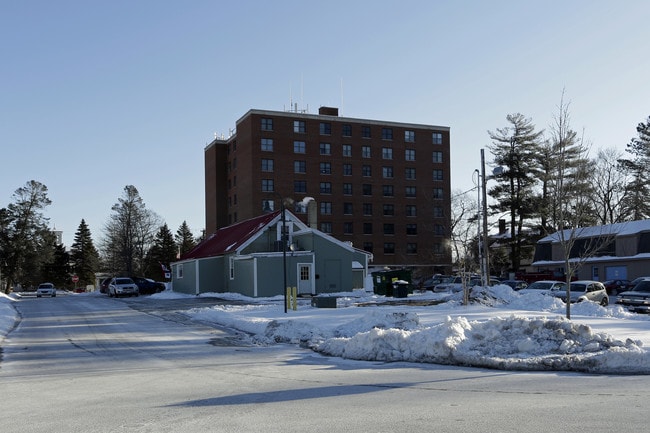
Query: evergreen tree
(57,271)
(27,242)
(514,149)
(635,203)
(84,256)
(184,239)
(162,252)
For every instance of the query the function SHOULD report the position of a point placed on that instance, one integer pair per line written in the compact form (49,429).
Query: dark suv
(147,286)
(637,299)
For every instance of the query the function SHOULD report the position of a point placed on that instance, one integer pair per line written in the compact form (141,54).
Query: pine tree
(84,257)
(162,252)
(57,271)
(184,239)
(515,148)
(635,202)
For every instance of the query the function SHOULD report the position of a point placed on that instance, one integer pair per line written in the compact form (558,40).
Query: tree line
(135,242)
(544,181)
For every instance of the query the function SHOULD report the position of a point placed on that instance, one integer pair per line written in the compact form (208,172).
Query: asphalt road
(94,364)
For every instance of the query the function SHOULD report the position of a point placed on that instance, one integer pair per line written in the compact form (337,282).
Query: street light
(486,250)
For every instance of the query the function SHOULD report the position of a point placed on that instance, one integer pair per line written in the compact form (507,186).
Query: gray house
(247,258)
(613,251)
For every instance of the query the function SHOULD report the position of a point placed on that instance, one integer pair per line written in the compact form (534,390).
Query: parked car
(430,283)
(103,286)
(637,299)
(614,287)
(46,289)
(456,284)
(122,286)
(546,287)
(147,286)
(585,290)
(515,284)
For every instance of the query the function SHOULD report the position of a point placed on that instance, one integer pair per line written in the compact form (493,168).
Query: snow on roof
(618,229)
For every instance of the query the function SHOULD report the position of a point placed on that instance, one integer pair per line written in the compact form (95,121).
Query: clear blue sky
(97,95)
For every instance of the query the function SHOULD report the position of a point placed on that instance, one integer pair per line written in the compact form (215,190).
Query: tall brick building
(383,186)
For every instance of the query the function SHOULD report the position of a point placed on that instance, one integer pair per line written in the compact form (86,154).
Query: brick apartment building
(383,186)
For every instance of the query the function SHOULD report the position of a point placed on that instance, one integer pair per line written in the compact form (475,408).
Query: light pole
(486,249)
(284,252)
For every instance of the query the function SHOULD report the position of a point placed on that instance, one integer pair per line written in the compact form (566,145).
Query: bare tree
(609,179)
(464,233)
(129,234)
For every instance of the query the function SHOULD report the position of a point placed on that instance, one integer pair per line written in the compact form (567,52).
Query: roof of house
(228,239)
(618,229)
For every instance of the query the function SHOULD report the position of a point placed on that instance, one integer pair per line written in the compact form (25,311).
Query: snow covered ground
(501,329)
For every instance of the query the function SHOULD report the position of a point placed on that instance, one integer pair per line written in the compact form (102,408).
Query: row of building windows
(325,128)
(325,149)
(300,186)
(410,248)
(367,209)
(300,167)
(388,229)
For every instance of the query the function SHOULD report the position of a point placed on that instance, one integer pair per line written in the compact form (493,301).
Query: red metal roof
(228,239)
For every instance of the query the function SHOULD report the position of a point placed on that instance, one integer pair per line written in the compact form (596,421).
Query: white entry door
(305,278)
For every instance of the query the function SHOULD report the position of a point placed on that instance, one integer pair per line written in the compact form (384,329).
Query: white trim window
(232,268)
(179,271)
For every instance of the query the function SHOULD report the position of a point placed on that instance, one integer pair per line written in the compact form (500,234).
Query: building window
(347,150)
(411,191)
(436,138)
(389,210)
(347,228)
(325,128)
(299,186)
(367,189)
(438,193)
(411,210)
(325,208)
(267,165)
(387,172)
(179,271)
(437,248)
(366,171)
(267,185)
(437,174)
(347,189)
(325,149)
(347,130)
(326,227)
(367,209)
(347,169)
(388,191)
(387,153)
(267,124)
(389,248)
(325,168)
(437,156)
(438,229)
(367,246)
(367,228)
(386,133)
(299,126)
(437,212)
(365,152)
(267,144)
(409,173)
(365,131)
(299,147)
(411,229)
(411,248)
(326,187)
(409,136)
(409,154)
(268,205)
(347,208)
(300,166)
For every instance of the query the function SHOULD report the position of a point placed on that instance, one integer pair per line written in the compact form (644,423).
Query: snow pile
(444,334)
(8,315)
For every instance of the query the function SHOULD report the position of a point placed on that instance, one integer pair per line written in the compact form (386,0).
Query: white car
(585,290)
(122,286)
(46,289)
(546,287)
